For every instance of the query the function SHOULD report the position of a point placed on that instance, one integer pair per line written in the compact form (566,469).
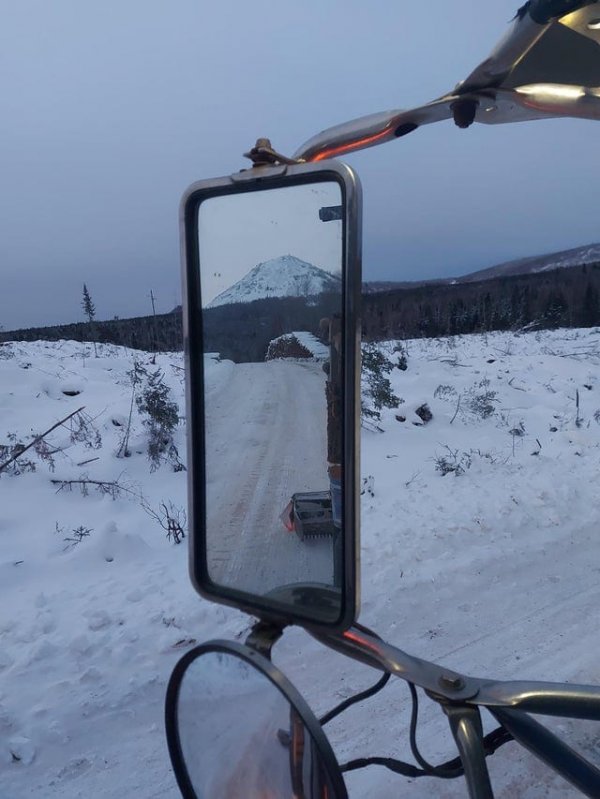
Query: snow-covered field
(492,568)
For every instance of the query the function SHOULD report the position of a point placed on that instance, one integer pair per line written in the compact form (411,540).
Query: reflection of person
(332,328)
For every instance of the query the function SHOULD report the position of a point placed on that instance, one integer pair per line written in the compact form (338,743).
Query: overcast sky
(109,110)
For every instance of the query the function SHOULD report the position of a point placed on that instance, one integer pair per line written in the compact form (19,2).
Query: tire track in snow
(266,440)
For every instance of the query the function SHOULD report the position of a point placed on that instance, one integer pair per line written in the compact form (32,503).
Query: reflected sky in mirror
(271,288)
(237,732)
(240,231)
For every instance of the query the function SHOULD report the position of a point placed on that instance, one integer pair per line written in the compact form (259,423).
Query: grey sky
(109,110)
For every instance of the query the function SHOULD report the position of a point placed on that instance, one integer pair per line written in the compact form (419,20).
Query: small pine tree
(162,418)
(376,389)
(89,310)
(87,305)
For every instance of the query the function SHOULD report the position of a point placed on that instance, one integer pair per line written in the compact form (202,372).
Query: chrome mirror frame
(256,179)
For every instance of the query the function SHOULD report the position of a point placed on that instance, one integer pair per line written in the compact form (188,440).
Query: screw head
(452,682)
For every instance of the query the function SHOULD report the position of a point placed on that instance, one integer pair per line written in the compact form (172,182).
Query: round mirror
(236,727)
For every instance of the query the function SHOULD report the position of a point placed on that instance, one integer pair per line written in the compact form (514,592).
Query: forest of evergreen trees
(162,332)
(243,331)
(568,297)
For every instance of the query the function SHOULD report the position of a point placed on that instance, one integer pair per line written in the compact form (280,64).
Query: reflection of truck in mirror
(319,513)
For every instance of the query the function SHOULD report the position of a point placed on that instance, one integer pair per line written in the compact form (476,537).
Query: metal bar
(551,750)
(465,723)
(368,648)
(545,698)
(371,130)
(523,34)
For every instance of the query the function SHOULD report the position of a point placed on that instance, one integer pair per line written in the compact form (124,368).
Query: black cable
(451,769)
(445,771)
(354,699)
(364,694)
(389,762)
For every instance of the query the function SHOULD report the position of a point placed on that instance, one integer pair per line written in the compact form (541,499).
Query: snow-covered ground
(491,568)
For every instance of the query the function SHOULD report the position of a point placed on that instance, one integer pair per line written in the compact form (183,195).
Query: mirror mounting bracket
(263,154)
(263,636)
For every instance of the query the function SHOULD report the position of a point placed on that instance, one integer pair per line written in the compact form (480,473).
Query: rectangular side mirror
(271,272)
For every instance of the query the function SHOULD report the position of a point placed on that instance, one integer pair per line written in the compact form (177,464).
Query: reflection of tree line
(242,331)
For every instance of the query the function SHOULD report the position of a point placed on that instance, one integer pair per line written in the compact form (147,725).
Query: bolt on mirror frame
(252,180)
(279,681)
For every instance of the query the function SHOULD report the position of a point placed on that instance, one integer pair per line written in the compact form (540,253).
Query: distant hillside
(577,256)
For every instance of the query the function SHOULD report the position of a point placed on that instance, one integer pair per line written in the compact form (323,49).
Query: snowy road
(266,439)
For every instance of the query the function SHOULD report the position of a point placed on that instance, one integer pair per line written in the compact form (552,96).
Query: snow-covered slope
(286,276)
(576,256)
(491,569)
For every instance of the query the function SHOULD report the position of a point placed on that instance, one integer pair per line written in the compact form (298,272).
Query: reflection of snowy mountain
(286,276)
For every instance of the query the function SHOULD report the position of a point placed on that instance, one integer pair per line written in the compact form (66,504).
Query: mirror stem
(263,154)
(263,637)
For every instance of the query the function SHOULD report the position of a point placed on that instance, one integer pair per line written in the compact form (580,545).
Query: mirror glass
(271,286)
(239,735)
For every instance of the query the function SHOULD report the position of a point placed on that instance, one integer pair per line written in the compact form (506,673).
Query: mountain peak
(284,276)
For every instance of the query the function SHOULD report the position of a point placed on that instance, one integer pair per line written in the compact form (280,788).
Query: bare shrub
(75,536)
(82,430)
(10,456)
(479,400)
(171,518)
(457,463)
(14,450)
(452,462)
(445,392)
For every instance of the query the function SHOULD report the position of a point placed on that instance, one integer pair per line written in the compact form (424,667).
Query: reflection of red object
(334,151)
(353,635)
(287,517)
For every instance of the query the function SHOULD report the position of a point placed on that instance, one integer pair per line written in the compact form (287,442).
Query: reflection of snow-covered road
(229,718)
(266,439)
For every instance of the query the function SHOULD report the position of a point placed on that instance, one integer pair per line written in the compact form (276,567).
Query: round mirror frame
(279,681)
